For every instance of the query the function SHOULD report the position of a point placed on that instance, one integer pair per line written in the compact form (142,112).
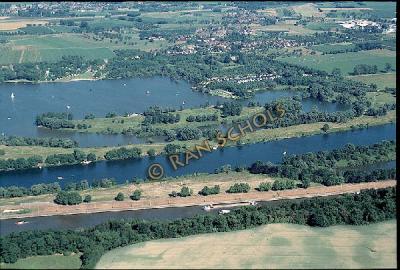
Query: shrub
(266,186)
(239,188)
(185,192)
(209,191)
(151,152)
(87,198)
(120,197)
(136,195)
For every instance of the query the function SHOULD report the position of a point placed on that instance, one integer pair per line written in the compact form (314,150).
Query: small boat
(68,107)
(183,102)
(12,96)
(147,92)
(8,118)
(215,147)
(208,207)
(21,222)
(224,211)
(60,178)
(124,84)
(284,153)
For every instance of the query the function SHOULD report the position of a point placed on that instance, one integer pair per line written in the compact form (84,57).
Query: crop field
(345,61)
(381,80)
(7,25)
(332,47)
(52,48)
(269,246)
(46,262)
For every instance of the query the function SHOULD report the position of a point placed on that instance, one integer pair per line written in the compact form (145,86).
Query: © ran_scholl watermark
(233,134)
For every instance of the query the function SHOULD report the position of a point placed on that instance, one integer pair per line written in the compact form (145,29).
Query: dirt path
(49,209)
(21,56)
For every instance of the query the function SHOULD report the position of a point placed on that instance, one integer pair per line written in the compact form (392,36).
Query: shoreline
(43,209)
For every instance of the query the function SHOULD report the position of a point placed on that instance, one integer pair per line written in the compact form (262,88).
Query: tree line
(52,188)
(45,142)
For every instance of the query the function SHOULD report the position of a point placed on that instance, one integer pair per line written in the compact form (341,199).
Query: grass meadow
(345,61)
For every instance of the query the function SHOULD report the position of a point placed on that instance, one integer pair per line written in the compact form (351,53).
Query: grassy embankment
(261,135)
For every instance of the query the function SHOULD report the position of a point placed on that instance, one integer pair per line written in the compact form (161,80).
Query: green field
(52,47)
(381,80)
(46,262)
(269,246)
(332,47)
(345,61)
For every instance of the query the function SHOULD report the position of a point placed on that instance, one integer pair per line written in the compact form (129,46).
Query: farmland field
(52,47)
(381,80)
(345,61)
(270,246)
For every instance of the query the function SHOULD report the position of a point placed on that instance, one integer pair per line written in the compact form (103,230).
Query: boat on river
(21,222)
(208,207)
(12,95)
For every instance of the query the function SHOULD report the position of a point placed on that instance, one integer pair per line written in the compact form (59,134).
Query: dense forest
(355,209)
(323,167)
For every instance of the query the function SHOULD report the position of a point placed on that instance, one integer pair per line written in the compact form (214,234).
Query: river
(243,155)
(87,220)
(17,115)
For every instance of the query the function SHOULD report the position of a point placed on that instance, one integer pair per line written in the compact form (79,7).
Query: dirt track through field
(49,209)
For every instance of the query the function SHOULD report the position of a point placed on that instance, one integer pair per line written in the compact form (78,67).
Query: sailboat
(12,95)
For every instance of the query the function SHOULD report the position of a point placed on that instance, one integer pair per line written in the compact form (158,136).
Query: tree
(336,72)
(325,127)
(239,188)
(388,67)
(87,198)
(209,191)
(172,148)
(266,186)
(136,195)
(185,192)
(91,157)
(120,197)
(151,152)
(68,198)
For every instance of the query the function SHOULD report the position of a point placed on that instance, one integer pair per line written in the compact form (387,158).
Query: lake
(17,115)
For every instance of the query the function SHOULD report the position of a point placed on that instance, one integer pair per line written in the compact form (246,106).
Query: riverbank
(261,135)
(50,209)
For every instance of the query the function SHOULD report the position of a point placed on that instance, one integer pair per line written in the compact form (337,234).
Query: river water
(243,155)
(88,220)
(17,115)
